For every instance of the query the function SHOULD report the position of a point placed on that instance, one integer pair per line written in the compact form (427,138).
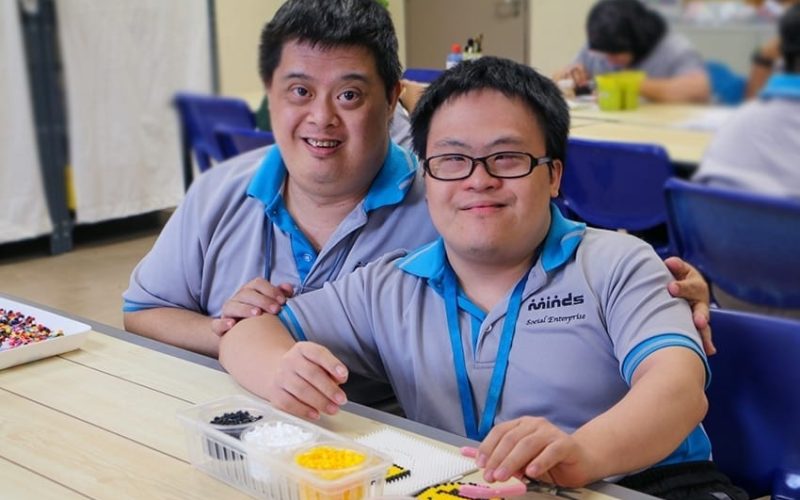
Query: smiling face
(330,116)
(484,219)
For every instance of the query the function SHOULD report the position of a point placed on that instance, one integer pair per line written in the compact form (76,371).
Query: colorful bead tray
(272,455)
(28,333)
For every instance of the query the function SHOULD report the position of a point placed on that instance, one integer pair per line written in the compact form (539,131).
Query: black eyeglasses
(503,165)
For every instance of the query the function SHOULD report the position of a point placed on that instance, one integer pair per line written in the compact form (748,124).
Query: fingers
(220,326)
(700,315)
(677,266)
(308,379)
(510,446)
(690,284)
(578,75)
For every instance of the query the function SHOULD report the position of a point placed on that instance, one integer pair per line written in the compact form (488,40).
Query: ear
(556,170)
(394,96)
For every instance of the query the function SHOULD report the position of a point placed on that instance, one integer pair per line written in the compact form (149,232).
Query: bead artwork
(17,329)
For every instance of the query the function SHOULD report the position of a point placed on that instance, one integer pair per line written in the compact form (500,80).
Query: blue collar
(784,85)
(390,186)
(563,238)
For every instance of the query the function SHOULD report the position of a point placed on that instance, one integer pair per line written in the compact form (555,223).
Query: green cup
(609,92)
(629,83)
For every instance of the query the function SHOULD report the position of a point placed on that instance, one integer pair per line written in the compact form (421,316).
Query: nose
(323,113)
(480,178)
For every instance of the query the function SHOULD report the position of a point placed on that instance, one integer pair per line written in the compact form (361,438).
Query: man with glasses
(556,345)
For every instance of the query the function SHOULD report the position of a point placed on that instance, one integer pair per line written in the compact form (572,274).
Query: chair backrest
(727,87)
(423,75)
(746,244)
(616,185)
(753,419)
(234,141)
(200,114)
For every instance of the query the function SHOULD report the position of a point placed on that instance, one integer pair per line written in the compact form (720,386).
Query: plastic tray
(74,335)
(272,473)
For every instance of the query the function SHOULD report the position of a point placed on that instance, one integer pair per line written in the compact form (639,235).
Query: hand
(256,297)
(536,448)
(691,286)
(306,381)
(411,93)
(576,72)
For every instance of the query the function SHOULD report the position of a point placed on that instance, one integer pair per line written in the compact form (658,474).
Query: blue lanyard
(476,430)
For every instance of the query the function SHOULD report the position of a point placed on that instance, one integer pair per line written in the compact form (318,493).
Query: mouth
(482,207)
(322,143)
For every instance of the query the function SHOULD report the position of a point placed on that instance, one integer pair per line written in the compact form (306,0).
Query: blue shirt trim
(390,187)
(130,306)
(651,345)
(289,320)
(696,447)
(782,86)
(562,240)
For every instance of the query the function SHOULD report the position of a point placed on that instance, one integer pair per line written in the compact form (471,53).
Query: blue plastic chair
(753,419)
(423,75)
(234,141)
(616,185)
(727,87)
(200,114)
(746,244)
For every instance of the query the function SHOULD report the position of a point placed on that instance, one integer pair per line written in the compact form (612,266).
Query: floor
(87,281)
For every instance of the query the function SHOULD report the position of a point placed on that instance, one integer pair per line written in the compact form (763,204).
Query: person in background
(758,147)
(333,194)
(625,34)
(765,60)
(558,343)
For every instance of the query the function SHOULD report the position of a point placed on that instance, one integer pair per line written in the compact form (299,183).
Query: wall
(557,32)
(238,26)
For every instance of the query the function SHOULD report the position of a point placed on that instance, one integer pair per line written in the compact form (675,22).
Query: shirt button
(487,329)
(307,257)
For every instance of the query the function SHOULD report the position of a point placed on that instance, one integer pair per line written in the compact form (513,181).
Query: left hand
(536,448)
(690,285)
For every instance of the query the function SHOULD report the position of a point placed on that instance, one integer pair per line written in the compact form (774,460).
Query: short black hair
(332,23)
(510,78)
(789,29)
(615,26)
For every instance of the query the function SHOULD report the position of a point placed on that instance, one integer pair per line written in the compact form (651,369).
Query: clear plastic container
(275,472)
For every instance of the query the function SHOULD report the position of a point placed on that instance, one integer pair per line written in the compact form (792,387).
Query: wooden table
(100,422)
(664,124)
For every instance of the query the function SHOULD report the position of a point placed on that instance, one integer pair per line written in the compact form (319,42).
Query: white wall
(557,32)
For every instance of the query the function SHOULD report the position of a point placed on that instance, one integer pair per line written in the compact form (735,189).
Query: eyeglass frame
(534,162)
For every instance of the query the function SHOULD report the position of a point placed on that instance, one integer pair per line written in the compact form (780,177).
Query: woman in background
(623,35)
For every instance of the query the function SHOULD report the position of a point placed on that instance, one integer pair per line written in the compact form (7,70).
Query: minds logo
(554,301)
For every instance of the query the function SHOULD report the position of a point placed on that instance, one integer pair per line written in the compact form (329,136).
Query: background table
(684,130)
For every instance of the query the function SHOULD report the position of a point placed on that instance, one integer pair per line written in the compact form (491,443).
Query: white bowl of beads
(269,440)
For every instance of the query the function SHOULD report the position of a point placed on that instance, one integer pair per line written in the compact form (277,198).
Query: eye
(349,95)
(299,91)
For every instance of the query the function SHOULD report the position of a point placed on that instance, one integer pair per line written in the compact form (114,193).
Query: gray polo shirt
(595,305)
(233,226)
(672,56)
(757,150)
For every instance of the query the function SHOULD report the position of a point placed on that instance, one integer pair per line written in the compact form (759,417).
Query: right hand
(256,297)
(306,381)
(575,72)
